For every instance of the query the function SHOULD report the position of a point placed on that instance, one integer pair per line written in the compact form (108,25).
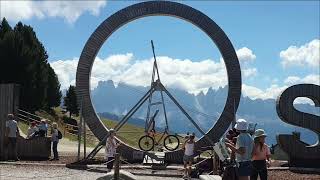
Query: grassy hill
(128,133)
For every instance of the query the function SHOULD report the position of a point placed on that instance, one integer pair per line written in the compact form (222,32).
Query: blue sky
(261,29)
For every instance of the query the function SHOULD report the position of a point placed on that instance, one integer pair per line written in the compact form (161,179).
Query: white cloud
(307,54)
(255,93)
(310,79)
(103,69)
(68,10)
(245,55)
(175,73)
(275,90)
(183,74)
(249,72)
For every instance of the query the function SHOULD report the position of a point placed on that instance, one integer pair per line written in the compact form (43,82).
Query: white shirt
(189,148)
(12,125)
(111,147)
(31,131)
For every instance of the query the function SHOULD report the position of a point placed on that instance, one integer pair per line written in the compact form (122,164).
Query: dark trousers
(55,149)
(12,148)
(42,133)
(110,164)
(259,168)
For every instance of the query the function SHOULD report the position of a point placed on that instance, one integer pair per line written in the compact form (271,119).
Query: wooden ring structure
(158,8)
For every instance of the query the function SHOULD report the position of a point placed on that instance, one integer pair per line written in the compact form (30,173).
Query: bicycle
(147,142)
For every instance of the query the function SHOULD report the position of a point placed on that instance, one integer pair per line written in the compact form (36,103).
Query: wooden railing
(67,128)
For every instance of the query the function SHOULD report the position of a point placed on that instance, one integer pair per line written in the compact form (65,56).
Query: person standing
(188,147)
(111,148)
(12,132)
(243,150)
(55,141)
(42,128)
(261,156)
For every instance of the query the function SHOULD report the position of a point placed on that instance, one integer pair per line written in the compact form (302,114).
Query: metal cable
(167,101)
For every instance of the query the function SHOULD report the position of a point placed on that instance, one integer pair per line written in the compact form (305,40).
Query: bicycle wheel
(146,143)
(171,142)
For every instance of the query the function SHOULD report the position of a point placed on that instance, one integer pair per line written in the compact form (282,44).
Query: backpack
(59,135)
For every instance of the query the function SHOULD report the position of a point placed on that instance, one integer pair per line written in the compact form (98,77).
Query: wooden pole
(84,139)
(79,137)
(116,166)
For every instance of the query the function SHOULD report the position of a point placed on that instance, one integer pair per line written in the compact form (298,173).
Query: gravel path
(36,172)
(10,172)
(22,172)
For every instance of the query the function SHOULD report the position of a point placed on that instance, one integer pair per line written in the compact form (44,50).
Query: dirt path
(68,147)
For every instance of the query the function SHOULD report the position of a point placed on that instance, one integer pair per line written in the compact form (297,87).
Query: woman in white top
(32,130)
(111,148)
(188,147)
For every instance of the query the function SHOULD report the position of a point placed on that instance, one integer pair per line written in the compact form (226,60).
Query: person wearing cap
(260,156)
(111,148)
(32,130)
(243,149)
(42,128)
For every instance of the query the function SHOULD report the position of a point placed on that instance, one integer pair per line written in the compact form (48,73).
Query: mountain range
(114,101)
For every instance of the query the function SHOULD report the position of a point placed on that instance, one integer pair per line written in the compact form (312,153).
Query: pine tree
(23,61)
(53,91)
(70,101)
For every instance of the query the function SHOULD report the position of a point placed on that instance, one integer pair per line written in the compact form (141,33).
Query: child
(111,147)
(260,156)
(188,147)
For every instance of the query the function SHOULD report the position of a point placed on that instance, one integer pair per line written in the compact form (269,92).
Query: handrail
(81,133)
(24,120)
(31,114)
(67,124)
(28,117)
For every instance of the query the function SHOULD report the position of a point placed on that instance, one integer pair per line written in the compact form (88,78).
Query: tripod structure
(156,85)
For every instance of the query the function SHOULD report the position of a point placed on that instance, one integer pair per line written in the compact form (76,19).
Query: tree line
(24,61)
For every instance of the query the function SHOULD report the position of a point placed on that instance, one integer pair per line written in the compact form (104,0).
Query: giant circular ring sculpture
(156,8)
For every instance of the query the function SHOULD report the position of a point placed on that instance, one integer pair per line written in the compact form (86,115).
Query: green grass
(130,134)
(23,127)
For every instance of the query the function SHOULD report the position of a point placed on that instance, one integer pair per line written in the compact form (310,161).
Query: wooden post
(116,166)
(9,96)
(79,137)
(215,163)
(84,139)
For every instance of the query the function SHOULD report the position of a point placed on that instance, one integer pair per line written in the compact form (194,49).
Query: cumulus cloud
(245,55)
(68,10)
(249,72)
(185,74)
(255,93)
(176,73)
(103,69)
(307,54)
(310,79)
(275,90)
